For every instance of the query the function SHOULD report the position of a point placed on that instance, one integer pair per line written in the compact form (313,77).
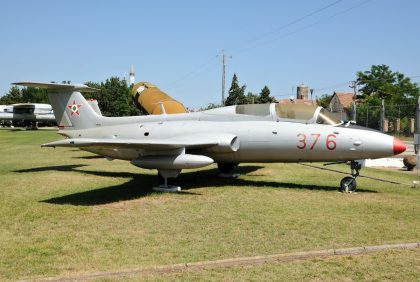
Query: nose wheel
(348,184)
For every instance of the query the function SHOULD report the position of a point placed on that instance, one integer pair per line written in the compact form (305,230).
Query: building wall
(335,105)
(337,108)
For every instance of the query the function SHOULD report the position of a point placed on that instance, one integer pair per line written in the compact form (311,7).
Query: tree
(114,97)
(14,96)
(212,106)
(236,93)
(265,97)
(252,98)
(324,100)
(399,93)
(34,95)
(383,83)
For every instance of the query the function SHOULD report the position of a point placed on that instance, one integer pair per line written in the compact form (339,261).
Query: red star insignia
(74,108)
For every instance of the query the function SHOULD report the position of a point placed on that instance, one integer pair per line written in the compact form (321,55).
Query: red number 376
(330,142)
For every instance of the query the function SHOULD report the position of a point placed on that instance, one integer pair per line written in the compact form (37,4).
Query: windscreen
(325,117)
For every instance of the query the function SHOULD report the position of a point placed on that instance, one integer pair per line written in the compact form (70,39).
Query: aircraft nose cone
(399,146)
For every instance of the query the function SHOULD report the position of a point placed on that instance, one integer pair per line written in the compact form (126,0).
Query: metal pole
(418,116)
(354,110)
(354,86)
(367,116)
(382,119)
(417,139)
(223,76)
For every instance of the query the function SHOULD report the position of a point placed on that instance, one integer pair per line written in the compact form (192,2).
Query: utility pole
(417,141)
(382,116)
(417,131)
(354,86)
(223,75)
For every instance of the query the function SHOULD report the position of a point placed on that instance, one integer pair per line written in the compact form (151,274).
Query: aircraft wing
(218,142)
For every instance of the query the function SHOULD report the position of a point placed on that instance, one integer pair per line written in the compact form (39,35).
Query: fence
(394,119)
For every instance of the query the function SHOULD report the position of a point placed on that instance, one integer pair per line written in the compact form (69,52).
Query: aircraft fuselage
(259,141)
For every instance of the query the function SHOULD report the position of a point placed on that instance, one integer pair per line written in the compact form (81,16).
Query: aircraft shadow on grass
(90,157)
(52,168)
(140,185)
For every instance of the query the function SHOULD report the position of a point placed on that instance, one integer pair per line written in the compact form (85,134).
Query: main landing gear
(226,170)
(166,181)
(348,184)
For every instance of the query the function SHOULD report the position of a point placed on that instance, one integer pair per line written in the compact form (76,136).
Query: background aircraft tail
(71,109)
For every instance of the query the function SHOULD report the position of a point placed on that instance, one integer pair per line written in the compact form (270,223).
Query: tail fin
(95,106)
(71,109)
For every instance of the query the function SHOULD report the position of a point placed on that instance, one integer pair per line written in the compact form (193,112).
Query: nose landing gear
(348,184)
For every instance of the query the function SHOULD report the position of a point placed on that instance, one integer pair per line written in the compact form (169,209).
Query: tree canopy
(265,97)
(236,93)
(397,90)
(14,96)
(380,82)
(324,100)
(252,98)
(114,98)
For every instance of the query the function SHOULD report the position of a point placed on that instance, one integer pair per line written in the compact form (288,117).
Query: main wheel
(226,167)
(348,184)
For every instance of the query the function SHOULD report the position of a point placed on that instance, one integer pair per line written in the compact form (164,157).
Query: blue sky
(175,44)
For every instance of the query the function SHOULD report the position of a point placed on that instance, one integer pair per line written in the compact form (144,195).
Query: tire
(348,184)
(226,167)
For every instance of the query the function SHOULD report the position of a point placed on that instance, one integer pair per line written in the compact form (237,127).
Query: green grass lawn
(65,211)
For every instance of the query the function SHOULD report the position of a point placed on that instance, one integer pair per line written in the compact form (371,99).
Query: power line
(371,80)
(308,26)
(257,38)
(193,72)
(199,68)
(331,87)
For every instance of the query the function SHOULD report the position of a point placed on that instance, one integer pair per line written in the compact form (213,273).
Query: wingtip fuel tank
(149,97)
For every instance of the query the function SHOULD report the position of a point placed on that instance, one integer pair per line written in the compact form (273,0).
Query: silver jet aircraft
(170,143)
(27,113)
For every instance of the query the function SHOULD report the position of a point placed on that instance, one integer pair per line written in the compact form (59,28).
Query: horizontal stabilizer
(57,86)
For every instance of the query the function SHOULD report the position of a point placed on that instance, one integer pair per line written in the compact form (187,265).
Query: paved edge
(243,261)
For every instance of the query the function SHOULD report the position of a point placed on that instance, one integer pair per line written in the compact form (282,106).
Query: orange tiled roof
(346,99)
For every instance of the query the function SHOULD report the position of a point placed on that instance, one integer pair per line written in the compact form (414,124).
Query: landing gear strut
(348,184)
(226,170)
(166,181)
(226,167)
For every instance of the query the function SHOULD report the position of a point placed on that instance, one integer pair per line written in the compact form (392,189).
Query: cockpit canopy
(308,113)
(254,109)
(291,112)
